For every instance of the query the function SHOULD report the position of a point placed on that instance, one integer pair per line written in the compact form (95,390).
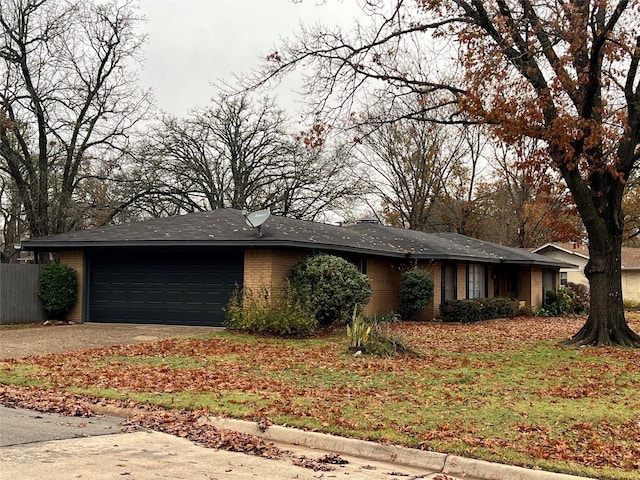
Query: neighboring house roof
(228,228)
(630,255)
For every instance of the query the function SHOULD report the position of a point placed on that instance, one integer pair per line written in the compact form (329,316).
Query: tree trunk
(606,324)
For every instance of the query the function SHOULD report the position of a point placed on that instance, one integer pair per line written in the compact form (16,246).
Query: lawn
(505,391)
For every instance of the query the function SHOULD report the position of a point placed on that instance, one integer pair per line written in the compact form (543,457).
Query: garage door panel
(153,287)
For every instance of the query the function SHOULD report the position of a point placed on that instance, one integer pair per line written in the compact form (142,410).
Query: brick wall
(75,259)
(531,286)
(536,288)
(385,283)
(268,268)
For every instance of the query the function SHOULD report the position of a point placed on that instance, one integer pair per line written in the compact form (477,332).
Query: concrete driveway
(22,342)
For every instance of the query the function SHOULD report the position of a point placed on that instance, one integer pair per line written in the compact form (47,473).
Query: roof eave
(35,245)
(561,249)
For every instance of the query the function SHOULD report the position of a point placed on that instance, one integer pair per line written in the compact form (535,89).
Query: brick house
(184,269)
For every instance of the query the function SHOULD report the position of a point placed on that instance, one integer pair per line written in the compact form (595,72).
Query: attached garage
(161,287)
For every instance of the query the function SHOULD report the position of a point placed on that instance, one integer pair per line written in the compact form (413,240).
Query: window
(548,282)
(476,281)
(563,278)
(359,262)
(449,281)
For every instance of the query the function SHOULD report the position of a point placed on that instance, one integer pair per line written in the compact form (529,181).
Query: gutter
(34,245)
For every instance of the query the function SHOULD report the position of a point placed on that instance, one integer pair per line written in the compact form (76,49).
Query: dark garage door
(174,288)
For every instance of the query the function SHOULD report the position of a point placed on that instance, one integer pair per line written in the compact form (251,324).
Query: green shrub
(474,310)
(581,297)
(285,315)
(332,286)
(416,291)
(463,311)
(556,303)
(574,298)
(58,290)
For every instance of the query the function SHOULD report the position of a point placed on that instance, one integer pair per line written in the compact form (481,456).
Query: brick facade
(385,283)
(269,268)
(75,259)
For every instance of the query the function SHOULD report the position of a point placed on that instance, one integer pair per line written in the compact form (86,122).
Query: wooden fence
(19,302)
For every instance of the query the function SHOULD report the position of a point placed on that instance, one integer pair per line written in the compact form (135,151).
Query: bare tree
(11,224)
(459,209)
(68,101)
(322,179)
(222,156)
(410,164)
(241,154)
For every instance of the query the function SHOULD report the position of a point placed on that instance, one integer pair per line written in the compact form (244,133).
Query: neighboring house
(579,256)
(184,269)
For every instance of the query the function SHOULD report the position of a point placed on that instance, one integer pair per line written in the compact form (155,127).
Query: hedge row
(477,309)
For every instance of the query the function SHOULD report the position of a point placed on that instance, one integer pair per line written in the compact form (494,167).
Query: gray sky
(194,43)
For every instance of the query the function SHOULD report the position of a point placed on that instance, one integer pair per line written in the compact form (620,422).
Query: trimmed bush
(331,285)
(58,290)
(416,291)
(286,315)
(474,310)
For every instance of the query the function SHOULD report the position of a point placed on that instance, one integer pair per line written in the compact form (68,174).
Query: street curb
(467,468)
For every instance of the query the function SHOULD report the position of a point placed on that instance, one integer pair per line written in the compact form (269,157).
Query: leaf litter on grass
(500,390)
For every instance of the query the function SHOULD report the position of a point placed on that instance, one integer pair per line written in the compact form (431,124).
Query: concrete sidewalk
(154,455)
(41,445)
(451,466)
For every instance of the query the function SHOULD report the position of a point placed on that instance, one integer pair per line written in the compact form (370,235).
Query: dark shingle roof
(227,227)
(451,246)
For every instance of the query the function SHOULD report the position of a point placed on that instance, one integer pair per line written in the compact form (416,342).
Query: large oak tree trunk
(606,323)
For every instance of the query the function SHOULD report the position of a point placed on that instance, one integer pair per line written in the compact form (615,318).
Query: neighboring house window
(476,281)
(563,278)
(548,282)
(449,281)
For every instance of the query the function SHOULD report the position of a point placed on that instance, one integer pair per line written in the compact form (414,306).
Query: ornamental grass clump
(358,331)
(375,336)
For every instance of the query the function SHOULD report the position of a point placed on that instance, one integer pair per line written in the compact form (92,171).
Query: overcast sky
(193,44)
